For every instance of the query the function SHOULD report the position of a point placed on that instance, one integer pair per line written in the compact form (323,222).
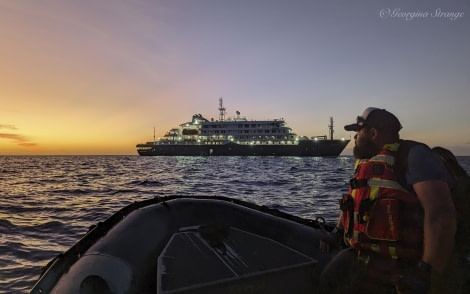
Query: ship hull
(311,148)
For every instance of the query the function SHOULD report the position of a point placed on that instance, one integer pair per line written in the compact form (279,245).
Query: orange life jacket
(379,215)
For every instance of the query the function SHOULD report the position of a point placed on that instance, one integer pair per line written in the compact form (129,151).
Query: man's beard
(365,149)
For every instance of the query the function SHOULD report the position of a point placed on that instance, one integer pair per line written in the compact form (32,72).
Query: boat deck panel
(229,260)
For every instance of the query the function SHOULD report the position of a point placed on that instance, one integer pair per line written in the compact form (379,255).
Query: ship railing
(283,142)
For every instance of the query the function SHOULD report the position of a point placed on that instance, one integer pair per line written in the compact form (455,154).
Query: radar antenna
(221,109)
(331,128)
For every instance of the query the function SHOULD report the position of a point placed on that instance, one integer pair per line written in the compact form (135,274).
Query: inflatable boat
(192,244)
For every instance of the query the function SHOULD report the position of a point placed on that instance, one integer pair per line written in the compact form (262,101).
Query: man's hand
(332,240)
(416,280)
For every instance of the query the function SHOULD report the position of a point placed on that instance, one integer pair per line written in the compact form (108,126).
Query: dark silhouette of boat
(192,244)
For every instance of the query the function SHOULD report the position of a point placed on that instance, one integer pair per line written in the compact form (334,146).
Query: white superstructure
(238,130)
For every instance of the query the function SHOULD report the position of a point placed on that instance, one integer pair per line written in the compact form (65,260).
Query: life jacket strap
(360,183)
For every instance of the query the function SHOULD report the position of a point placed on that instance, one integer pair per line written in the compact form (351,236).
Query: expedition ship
(240,137)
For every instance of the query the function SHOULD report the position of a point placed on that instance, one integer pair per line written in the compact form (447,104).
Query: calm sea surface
(47,203)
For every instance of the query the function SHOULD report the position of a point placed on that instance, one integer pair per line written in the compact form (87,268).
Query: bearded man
(400,227)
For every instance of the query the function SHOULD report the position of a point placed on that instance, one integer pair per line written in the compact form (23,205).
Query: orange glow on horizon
(86,77)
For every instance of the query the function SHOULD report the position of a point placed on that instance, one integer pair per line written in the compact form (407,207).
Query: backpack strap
(450,162)
(401,162)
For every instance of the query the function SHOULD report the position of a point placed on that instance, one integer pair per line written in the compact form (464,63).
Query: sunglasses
(361,122)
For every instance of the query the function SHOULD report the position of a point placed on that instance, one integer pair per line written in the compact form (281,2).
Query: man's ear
(374,133)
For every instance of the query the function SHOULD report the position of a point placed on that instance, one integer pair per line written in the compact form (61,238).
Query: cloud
(10,127)
(18,139)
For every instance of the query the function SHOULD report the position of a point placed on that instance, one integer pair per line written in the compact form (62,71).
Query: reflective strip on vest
(392,251)
(374,191)
(356,218)
(353,193)
(354,237)
(375,248)
(384,158)
(392,147)
(375,182)
(358,162)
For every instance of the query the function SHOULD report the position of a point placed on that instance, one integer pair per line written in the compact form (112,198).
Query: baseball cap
(376,118)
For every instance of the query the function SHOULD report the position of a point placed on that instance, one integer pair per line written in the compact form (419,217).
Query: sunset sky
(96,76)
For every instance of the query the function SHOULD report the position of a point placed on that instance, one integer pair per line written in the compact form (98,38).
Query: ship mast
(331,128)
(221,109)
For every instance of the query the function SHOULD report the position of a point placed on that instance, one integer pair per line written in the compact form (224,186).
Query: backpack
(460,192)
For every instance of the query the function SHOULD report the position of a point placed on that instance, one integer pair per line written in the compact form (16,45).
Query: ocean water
(47,203)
